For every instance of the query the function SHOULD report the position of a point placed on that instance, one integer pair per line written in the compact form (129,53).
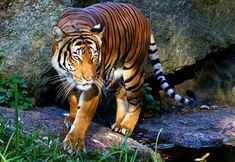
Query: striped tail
(157,68)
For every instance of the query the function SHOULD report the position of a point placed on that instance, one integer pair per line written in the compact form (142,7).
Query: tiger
(102,47)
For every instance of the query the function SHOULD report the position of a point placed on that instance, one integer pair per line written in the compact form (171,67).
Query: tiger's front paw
(74,145)
(68,121)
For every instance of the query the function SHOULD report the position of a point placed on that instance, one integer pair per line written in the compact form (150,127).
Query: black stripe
(173,95)
(152,44)
(138,89)
(65,55)
(163,81)
(133,98)
(137,86)
(134,75)
(152,51)
(78,43)
(159,74)
(160,79)
(68,45)
(156,61)
(60,57)
(133,87)
(155,70)
(182,100)
(134,104)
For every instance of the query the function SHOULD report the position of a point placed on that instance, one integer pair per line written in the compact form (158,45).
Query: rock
(52,119)
(193,129)
(187,31)
(212,80)
(25,33)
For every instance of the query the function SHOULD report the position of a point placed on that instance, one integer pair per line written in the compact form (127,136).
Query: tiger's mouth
(84,87)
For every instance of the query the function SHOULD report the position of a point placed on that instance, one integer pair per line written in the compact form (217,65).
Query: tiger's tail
(157,68)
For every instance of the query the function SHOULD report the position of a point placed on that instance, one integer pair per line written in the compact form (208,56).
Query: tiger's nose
(89,78)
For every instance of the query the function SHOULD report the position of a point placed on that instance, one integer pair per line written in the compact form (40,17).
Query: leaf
(3,90)
(23,84)
(146,85)
(9,94)
(24,92)
(3,99)
(149,97)
(148,88)
(203,158)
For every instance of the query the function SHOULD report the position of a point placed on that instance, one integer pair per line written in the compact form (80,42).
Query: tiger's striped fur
(104,45)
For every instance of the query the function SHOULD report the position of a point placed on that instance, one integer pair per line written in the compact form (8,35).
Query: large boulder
(185,31)
(25,33)
(195,128)
(188,30)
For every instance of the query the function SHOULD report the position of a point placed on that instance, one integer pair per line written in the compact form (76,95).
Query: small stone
(204,107)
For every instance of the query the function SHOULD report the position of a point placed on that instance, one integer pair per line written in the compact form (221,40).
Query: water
(171,153)
(180,154)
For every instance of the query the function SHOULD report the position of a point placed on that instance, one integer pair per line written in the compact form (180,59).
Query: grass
(16,145)
(33,147)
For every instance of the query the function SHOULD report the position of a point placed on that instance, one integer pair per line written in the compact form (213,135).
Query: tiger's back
(127,31)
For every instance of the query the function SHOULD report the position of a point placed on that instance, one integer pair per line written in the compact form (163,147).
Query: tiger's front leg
(73,106)
(75,139)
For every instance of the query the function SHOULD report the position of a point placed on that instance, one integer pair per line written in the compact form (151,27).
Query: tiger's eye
(76,57)
(94,57)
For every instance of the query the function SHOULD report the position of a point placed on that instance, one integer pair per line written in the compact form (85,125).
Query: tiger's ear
(98,30)
(58,33)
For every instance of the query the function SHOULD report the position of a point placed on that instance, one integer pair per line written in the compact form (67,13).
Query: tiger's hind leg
(133,82)
(130,120)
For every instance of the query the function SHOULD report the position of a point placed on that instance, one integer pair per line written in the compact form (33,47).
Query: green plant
(36,147)
(17,115)
(122,153)
(8,85)
(148,101)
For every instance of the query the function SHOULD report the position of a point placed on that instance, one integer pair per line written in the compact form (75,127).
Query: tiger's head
(77,56)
